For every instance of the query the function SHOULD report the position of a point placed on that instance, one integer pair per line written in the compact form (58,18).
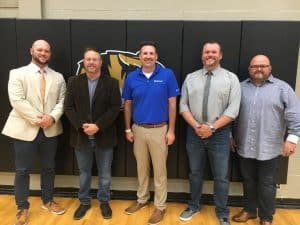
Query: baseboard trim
(172,196)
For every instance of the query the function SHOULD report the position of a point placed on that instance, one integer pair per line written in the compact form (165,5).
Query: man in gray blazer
(36,94)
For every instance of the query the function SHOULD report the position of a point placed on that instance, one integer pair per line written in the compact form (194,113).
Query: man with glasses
(268,107)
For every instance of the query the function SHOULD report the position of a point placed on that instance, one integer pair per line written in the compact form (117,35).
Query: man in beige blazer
(36,94)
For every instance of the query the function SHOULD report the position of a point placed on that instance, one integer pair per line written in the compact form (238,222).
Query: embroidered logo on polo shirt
(158,81)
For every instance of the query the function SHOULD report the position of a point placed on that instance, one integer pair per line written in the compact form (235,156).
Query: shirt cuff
(292,138)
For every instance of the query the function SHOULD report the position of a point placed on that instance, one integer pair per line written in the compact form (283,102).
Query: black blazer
(104,110)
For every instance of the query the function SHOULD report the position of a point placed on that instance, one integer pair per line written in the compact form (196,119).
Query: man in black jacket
(92,104)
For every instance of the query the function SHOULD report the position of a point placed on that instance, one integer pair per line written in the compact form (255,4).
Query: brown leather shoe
(156,217)
(265,222)
(135,207)
(22,217)
(54,208)
(243,216)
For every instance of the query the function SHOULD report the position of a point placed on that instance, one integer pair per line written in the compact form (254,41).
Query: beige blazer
(25,99)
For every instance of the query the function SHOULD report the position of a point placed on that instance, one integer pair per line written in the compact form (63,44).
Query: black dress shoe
(105,210)
(81,211)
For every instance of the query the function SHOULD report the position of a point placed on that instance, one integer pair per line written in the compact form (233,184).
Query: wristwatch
(213,129)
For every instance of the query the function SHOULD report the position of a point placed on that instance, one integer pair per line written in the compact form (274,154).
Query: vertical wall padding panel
(7,62)
(195,34)
(57,33)
(110,38)
(280,42)
(168,36)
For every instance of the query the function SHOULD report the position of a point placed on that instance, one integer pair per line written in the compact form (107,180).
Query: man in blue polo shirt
(150,100)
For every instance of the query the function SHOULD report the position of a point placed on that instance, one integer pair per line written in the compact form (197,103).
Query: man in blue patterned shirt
(269,108)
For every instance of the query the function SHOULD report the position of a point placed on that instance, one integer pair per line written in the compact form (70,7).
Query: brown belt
(152,125)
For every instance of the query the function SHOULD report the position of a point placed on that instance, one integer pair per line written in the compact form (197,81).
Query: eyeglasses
(259,66)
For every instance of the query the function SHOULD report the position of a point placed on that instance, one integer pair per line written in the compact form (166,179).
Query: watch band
(213,129)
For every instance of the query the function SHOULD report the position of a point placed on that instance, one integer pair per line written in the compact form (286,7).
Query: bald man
(269,108)
(36,94)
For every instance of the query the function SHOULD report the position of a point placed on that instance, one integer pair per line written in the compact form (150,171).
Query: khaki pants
(150,145)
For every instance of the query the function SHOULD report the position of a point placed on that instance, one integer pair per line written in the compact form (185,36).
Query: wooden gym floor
(39,216)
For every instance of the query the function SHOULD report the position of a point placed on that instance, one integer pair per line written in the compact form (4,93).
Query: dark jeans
(216,148)
(259,186)
(25,152)
(103,158)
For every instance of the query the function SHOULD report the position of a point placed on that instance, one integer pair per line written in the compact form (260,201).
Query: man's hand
(233,144)
(45,121)
(288,148)
(170,137)
(204,131)
(129,136)
(90,128)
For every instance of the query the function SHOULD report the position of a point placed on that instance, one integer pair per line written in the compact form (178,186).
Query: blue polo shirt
(150,96)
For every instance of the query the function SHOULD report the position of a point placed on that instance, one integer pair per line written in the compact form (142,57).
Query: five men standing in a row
(212,98)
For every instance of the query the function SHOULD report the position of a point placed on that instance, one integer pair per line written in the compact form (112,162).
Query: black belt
(151,125)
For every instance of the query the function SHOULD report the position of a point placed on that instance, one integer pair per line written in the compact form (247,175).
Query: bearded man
(210,100)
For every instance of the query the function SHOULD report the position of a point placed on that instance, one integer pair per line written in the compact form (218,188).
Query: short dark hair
(150,43)
(94,49)
(214,42)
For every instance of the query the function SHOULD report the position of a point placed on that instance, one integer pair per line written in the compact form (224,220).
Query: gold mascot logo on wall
(117,64)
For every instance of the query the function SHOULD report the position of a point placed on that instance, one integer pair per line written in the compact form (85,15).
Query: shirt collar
(156,70)
(270,79)
(93,80)
(36,69)
(213,71)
